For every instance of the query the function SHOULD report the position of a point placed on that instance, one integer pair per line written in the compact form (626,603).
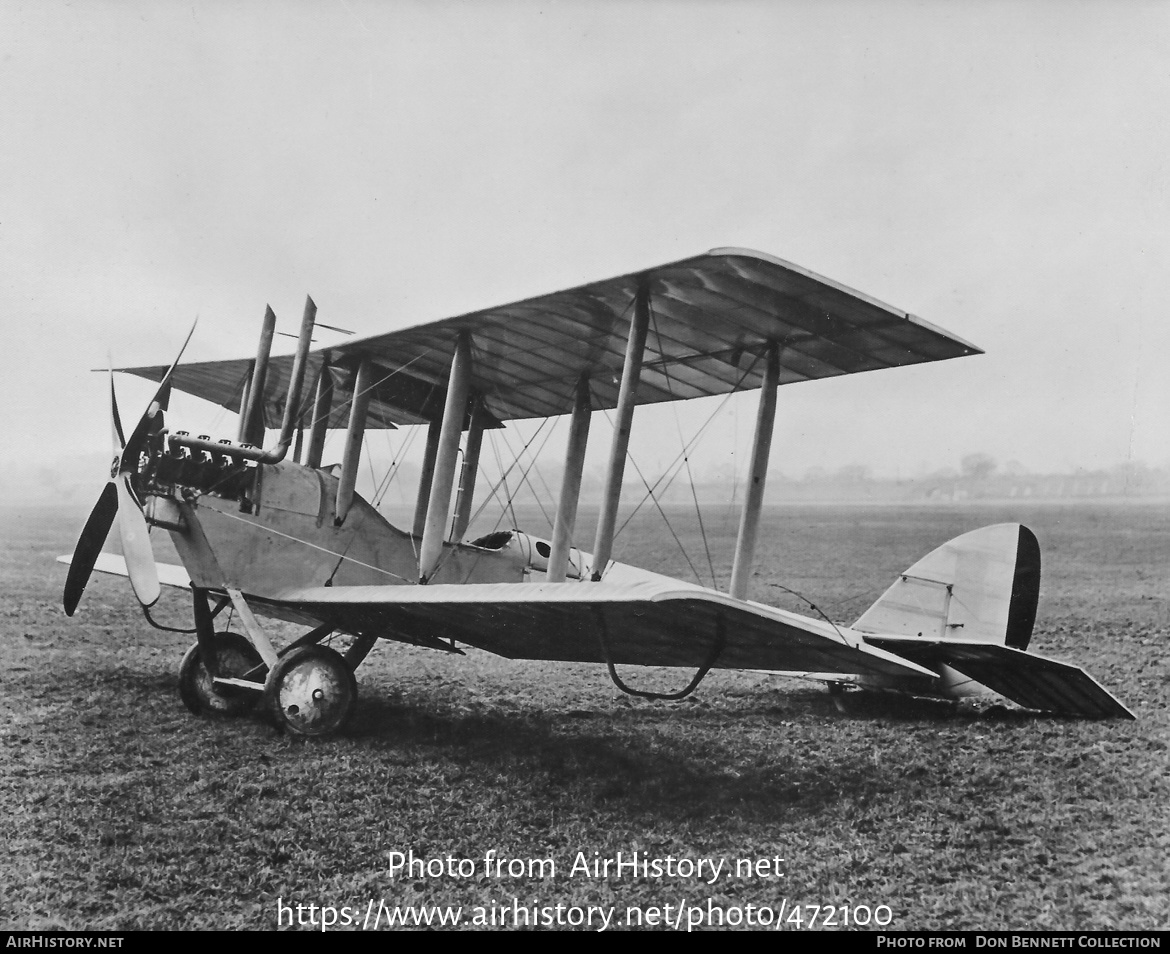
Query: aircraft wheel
(235,656)
(311,691)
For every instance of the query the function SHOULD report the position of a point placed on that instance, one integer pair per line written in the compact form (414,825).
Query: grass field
(123,811)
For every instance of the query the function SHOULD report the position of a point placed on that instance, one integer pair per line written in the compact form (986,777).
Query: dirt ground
(124,811)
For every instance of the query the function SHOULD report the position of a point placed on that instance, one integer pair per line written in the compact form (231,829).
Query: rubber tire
(310,692)
(235,656)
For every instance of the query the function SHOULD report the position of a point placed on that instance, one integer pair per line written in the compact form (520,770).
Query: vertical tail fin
(982,586)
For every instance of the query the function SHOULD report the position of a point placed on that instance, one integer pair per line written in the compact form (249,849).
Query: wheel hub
(311,691)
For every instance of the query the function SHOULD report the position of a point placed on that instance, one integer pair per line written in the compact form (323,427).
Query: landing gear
(234,658)
(310,691)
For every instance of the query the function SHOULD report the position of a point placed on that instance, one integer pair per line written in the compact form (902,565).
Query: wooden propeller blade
(146,423)
(116,419)
(136,549)
(89,545)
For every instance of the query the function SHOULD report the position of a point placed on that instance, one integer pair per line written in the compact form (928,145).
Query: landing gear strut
(234,658)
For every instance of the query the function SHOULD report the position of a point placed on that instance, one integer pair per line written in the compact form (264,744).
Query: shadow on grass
(690,764)
(741,755)
(873,705)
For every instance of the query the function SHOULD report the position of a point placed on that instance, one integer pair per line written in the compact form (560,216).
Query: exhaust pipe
(256,397)
(252,416)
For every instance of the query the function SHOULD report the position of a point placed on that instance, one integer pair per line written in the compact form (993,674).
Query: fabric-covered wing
(649,624)
(1031,681)
(712,316)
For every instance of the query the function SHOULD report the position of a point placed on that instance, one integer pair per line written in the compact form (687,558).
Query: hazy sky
(999,169)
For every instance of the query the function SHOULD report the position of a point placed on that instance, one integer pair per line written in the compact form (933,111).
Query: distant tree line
(979,476)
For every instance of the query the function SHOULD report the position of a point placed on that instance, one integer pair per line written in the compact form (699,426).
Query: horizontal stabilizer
(1028,680)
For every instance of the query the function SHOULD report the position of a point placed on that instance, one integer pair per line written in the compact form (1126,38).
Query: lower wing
(643,623)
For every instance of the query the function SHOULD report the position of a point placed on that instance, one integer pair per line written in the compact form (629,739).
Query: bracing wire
(337,409)
(674,466)
(508,501)
(813,606)
(662,514)
(532,466)
(395,464)
(307,409)
(373,476)
(524,473)
(313,546)
(503,481)
(383,486)
(686,456)
(535,468)
(493,492)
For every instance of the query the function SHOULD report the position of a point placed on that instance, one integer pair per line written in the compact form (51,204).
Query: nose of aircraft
(118,502)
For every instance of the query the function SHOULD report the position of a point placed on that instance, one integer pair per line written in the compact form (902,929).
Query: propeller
(117,502)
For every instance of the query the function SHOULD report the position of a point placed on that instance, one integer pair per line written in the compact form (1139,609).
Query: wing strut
(562,542)
(259,638)
(467,475)
(322,408)
(351,456)
(425,477)
(749,524)
(439,504)
(623,416)
(252,411)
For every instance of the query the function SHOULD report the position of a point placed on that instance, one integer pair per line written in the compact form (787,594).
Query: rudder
(982,586)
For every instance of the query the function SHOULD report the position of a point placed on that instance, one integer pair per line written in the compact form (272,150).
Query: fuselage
(271,532)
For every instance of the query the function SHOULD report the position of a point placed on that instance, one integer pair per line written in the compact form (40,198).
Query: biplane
(273,532)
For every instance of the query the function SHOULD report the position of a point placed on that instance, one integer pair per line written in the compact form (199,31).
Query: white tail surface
(980,587)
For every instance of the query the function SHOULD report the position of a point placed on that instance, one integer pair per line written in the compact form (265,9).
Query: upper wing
(712,315)
(647,623)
